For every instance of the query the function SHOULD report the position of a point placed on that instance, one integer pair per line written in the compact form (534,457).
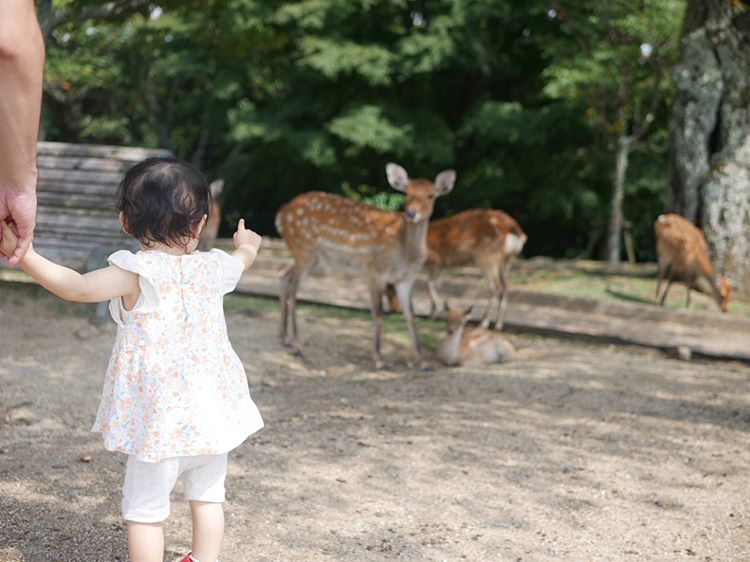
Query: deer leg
(493,279)
(504,269)
(659,278)
(284,301)
(687,284)
(376,307)
(670,278)
(403,290)
(437,303)
(289,286)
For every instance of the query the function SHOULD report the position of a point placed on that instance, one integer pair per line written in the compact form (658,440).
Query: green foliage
(281,96)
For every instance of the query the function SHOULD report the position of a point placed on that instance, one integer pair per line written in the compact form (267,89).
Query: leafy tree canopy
(280,97)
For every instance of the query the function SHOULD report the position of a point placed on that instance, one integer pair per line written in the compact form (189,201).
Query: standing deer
(681,249)
(471,345)
(211,229)
(485,237)
(355,238)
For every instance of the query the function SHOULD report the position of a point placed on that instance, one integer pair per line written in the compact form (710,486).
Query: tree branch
(101,12)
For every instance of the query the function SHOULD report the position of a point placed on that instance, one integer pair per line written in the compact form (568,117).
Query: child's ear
(199,228)
(123,223)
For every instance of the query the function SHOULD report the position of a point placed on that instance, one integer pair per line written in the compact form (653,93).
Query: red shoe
(187,558)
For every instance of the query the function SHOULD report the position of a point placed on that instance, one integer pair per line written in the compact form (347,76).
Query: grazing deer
(354,238)
(485,237)
(471,345)
(211,229)
(681,249)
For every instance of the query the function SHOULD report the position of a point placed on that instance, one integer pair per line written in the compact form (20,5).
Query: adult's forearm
(21,75)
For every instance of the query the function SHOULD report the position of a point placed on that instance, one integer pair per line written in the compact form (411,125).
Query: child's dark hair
(163,200)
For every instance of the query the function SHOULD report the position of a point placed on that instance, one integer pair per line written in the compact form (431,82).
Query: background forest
(536,104)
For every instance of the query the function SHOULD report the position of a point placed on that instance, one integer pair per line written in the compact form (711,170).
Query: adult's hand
(21,69)
(19,207)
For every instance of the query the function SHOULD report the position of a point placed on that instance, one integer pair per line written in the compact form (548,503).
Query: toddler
(175,396)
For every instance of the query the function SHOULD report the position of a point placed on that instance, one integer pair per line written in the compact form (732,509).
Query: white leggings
(148,485)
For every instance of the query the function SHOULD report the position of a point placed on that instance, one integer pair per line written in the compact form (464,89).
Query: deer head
(420,194)
(723,288)
(456,319)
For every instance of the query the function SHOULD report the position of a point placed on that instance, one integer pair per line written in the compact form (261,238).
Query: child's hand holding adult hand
(8,239)
(246,237)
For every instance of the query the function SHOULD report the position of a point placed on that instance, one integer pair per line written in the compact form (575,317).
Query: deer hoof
(293,345)
(426,366)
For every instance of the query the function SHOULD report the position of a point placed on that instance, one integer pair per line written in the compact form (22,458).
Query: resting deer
(681,249)
(465,345)
(211,229)
(354,238)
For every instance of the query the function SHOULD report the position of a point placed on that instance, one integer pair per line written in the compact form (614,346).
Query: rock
(684,353)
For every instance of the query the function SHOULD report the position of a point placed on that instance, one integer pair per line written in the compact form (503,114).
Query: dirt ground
(573,451)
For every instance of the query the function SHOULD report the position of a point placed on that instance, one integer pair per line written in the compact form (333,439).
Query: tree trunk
(710,133)
(614,231)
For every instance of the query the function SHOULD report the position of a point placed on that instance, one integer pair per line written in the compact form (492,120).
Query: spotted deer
(487,238)
(211,229)
(682,251)
(465,345)
(353,238)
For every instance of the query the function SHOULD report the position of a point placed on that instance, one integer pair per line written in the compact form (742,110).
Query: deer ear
(468,311)
(444,182)
(397,177)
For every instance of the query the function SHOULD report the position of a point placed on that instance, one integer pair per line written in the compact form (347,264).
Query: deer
(487,238)
(211,229)
(466,345)
(353,238)
(681,250)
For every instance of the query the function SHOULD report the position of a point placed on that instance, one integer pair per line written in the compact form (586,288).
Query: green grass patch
(616,288)
(430,331)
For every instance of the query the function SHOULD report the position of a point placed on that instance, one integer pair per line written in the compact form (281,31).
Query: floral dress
(174,385)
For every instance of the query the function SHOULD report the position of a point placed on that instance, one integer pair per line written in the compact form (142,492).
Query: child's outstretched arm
(95,286)
(246,243)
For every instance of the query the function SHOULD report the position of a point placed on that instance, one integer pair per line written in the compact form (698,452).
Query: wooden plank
(129,153)
(91,201)
(105,224)
(65,186)
(45,162)
(69,257)
(102,211)
(74,247)
(100,177)
(78,238)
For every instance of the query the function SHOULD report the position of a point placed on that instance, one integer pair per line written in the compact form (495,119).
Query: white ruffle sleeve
(232,270)
(148,301)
